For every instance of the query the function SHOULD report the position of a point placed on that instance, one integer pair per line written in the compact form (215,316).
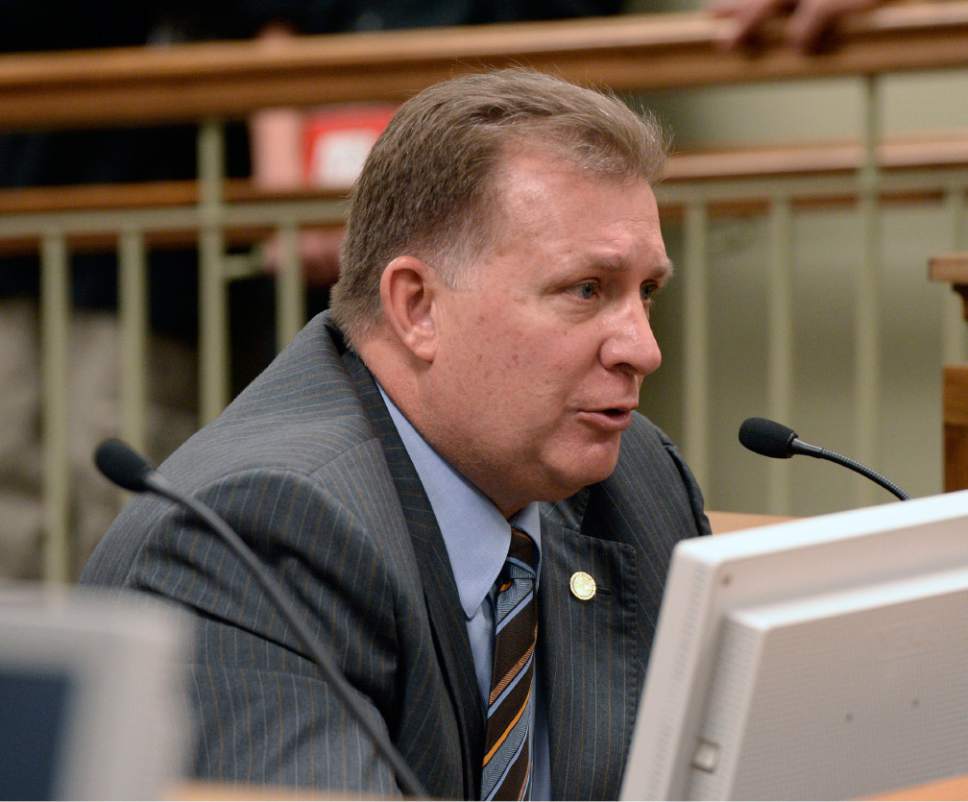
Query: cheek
(523,360)
(498,348)
(557,357)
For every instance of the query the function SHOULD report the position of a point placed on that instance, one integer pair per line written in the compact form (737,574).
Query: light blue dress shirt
(477,538)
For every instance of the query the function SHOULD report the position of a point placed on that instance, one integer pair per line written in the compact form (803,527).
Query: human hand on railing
(318,255)
(808,22)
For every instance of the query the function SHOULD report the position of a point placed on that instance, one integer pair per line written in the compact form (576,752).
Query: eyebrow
(618,264)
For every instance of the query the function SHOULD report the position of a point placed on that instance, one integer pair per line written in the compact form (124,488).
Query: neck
(391,366)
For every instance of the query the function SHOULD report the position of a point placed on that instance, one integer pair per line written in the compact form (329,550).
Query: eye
(648,291)
(585,290)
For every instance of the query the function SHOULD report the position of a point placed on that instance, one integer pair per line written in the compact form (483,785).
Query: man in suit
(474,388)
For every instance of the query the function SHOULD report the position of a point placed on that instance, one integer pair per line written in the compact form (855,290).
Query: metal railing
(627,53)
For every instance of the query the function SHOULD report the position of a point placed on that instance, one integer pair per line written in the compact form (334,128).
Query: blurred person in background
(158,153)
(96,156)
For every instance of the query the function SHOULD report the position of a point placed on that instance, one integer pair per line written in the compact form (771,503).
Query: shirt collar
(476,535)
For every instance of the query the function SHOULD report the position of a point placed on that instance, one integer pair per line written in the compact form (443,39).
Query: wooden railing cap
(189,82)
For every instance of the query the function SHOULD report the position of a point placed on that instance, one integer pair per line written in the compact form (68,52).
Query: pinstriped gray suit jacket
(307,467)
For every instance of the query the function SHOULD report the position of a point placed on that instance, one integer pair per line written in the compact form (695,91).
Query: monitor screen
(92,698)
(36,707)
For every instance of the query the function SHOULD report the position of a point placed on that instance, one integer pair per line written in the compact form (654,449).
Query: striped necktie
(506,770)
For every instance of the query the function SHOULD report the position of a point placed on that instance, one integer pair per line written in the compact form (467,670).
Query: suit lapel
(440,589)
(591,654)
(622,532)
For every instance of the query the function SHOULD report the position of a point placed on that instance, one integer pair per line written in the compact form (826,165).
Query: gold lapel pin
(582,586)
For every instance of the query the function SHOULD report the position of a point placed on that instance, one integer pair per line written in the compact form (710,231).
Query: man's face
(545,342)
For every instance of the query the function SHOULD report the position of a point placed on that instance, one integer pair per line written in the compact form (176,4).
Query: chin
(595,468)
(598,463)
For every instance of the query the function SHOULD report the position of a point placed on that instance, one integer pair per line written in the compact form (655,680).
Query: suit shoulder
(301,414)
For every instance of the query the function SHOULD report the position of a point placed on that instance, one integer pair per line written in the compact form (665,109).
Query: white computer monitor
(825,658)
(92,695)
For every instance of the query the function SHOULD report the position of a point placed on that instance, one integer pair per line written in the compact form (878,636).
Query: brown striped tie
(506,770)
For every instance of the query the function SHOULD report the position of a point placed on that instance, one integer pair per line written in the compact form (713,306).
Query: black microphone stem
(343,690)
(800,447)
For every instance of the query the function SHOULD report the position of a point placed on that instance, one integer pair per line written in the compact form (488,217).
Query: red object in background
(337,140)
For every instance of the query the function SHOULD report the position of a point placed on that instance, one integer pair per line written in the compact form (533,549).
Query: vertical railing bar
(55,317)
(867,377)
(695,337)
(953,327)
(780,375)
(290,290)
(133,313)
(212,306)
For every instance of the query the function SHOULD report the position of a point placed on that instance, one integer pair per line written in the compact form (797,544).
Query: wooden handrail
(893,154)
(141,195)
(789,161)
(231,79)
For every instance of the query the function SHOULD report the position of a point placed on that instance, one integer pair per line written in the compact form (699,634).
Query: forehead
(542,199)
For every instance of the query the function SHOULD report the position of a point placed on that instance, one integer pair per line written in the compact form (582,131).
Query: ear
(407,292)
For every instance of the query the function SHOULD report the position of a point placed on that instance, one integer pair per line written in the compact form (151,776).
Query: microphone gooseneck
(123,466)
(771,439)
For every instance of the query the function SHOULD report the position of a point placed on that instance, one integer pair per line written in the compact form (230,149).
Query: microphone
(772,439)
(123,466)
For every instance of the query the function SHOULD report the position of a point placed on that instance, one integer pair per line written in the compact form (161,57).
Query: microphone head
(123,465)
(767,437)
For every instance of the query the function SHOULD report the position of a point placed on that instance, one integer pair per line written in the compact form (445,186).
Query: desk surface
(732,521)
(951,788)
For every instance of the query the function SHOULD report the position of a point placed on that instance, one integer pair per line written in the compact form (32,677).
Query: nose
(630,343)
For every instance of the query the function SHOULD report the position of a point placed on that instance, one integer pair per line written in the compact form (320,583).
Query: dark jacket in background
(161,153)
